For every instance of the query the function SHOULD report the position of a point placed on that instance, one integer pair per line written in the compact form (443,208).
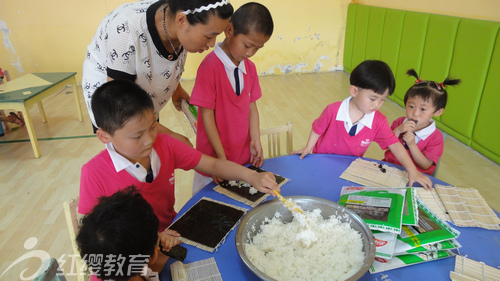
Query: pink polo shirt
(432,148)
(99,178)
(214,91)
(335,139)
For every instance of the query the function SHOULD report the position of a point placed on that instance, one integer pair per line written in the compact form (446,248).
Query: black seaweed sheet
(207,222)
(245,191)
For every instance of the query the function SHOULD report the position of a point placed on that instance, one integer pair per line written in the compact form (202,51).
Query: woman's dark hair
(373,75)
(223,11)
(115,102)
(252,16)
(121,232)
(432,90)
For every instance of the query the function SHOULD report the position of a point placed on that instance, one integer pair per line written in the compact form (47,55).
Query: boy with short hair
(226,91)
(118,239)
(348,127)
(136,155)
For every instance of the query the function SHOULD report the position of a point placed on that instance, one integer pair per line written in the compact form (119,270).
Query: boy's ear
(154,257)
(353,90)
(103,136)
(229,31)
(439,112)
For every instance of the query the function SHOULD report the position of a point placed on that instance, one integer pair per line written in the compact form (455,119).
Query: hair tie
(418,81)
(207,7)
(440,86)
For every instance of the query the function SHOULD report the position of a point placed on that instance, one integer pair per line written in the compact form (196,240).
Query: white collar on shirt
(134,169)
(425,132)
(343,115)
(228,63)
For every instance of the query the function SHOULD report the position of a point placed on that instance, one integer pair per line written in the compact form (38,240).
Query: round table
(319,175)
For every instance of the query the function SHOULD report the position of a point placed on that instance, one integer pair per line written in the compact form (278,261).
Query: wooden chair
(274,140)
(73,222)
(52,273)
(437,165)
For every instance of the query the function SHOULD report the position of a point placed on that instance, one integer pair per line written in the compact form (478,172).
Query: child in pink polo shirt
(137,155)
(417,131)
(348,127)
(226,90)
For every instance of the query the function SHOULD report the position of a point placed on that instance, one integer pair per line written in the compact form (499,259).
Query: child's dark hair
(121,232)
(373,75)
(115,102)
(432,90)
(223,10)
(252,17)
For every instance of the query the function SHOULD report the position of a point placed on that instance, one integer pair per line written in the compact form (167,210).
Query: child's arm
(256,152)
(263,182)
(311,142)
(423,162)
(168,239)
(208,119)
(413,174)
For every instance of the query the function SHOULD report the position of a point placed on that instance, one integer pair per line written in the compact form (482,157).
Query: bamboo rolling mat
(467,269)
(205,270)
(369,173)
(432,201)
(467,208)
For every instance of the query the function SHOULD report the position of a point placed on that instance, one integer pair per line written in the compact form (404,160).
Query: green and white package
(381,208)
(431,229)
(385,243)
(381,264)
(410,209)
(444,245)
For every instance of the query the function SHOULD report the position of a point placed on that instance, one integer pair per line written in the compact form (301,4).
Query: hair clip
(207,7)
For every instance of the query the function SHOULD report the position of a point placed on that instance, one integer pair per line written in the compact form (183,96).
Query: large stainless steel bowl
(255,217)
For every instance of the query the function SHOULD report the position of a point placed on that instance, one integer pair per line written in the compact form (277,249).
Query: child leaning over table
(137,155)
(119,238)
(348,127)
(226,91)
(417,131)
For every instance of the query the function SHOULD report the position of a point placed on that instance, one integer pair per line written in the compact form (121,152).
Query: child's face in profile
(367,101)
(421,110)
(135,139)
(243,46)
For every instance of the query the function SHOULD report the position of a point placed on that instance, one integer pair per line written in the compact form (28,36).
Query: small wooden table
(22,93)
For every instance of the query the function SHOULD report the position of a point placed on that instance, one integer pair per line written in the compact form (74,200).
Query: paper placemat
(23,82)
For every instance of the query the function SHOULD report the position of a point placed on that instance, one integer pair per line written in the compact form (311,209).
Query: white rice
(329,250)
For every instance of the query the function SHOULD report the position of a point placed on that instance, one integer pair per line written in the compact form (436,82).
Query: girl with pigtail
(417,130)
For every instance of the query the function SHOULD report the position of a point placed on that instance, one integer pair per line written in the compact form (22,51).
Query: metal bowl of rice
(250,226)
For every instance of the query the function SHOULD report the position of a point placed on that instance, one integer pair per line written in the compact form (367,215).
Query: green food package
(431,229)
(381,208)
(410,209)
(385,243)
(444,245)
(381,264)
